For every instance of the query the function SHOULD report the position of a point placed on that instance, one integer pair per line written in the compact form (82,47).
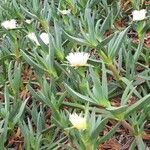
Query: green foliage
(40,87)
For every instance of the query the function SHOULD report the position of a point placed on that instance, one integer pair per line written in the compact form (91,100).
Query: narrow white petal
(28,21)
(33,37)
(65,12)
(45,38)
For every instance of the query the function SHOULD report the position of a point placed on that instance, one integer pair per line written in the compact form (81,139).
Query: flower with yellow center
(78,59)
(139,14)
(78,122)
(9,24)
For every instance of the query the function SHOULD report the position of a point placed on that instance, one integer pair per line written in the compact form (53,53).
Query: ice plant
(78,59)
(65,12)
(78,121)
(28,21)
(44,37)
(9,24)
(139,14)
(33,37)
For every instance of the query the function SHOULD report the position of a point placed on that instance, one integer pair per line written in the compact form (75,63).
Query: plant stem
(44,25)
(114,71)
(110,65)
(98,110)
(17,55)
(89,146)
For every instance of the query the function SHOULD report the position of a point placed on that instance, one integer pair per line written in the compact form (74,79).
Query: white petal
(65,12)
(28,21)
(33,37)
(45,38)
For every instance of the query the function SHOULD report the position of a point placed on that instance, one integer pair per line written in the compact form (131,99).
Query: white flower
(65,12)
(9,24)
(78,59)
(45,38)
(78,121)
(33,37)
(139,14)
(28,21)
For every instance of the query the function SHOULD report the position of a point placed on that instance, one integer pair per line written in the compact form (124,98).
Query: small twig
(127,126)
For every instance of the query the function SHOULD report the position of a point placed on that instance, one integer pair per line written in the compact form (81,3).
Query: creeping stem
(112,67)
